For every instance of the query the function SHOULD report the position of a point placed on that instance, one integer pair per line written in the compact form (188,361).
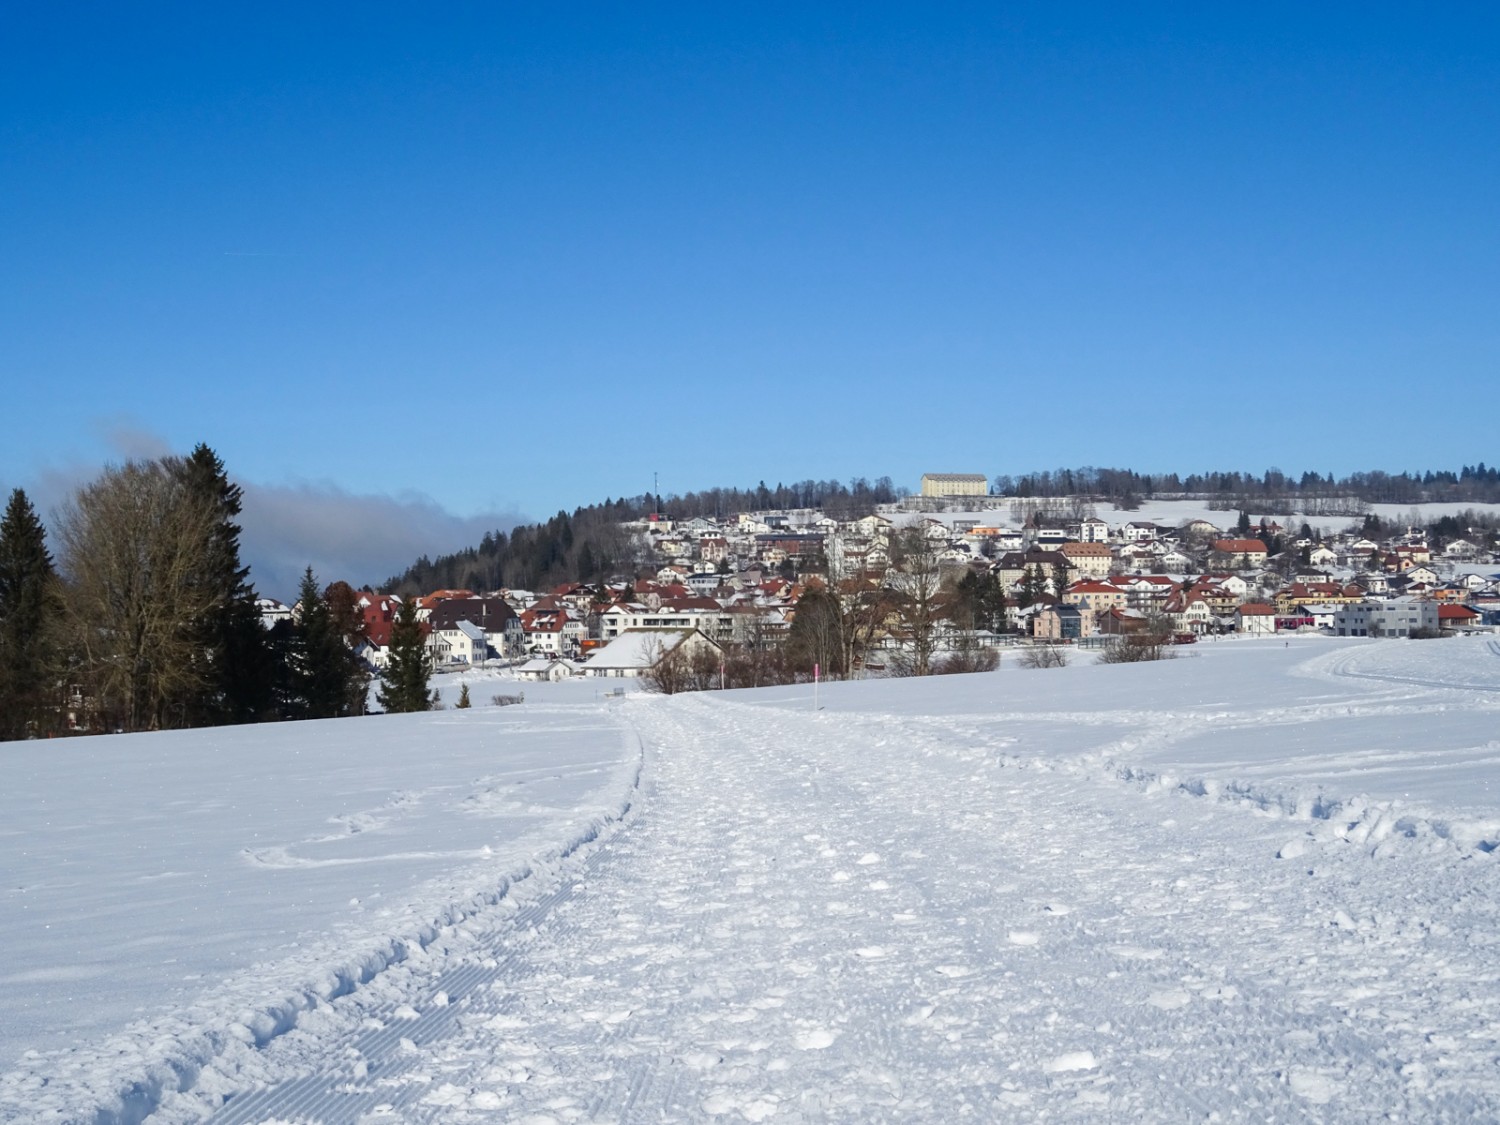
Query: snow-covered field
(1257,881)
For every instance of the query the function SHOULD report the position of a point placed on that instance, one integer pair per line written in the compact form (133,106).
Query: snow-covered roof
(638,648)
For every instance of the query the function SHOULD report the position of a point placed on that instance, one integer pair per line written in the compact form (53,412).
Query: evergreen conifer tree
(1034,586)
(329,682)
(28,605)
(404,681)
(235,646)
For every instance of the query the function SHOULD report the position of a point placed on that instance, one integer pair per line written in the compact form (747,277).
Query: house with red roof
(1242,554)
(1255,619)
(1452,617)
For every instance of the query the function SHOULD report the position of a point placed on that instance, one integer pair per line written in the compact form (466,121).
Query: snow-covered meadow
(1175,513)
(1257,881)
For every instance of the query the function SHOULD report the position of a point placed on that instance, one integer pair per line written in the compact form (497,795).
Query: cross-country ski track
(1196,890)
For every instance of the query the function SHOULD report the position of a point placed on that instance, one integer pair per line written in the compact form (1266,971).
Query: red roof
(1240,546)
(679,604)
(379,633)
(1450,611)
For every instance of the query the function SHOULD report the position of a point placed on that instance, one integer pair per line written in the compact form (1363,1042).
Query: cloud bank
(360,538)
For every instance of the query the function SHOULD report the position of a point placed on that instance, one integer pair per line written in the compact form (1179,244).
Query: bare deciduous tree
(668,670)
(1153,642)
(916,577)
(966,657)
(1044,656)
(133,546)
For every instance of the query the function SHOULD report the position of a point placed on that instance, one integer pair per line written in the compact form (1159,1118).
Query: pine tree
(403,685)
(463,703)
(329,681)
(28,606)
(983,599)
(1033,586)
(238,676)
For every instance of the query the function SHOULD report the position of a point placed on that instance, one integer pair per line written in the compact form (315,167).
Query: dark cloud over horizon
(360,538)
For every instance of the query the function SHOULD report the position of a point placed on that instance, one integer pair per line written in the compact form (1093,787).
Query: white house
(1093,530)
(461,643)
(545,669)
(272,611)
(703,582)
(1255,619)
(1322,615)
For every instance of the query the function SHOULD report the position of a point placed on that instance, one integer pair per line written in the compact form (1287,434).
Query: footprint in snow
(1169,999)
(1070,1061)
(814,1039)
(1135,952)
(1292,849)
(1315,1087)
(758,1108)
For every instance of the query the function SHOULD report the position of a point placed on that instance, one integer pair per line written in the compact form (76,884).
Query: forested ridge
(1476,483)
(589,545)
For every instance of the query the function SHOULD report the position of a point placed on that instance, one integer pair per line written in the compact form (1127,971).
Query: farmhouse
(637,651)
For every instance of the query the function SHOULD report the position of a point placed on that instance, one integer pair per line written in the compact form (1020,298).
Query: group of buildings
(721,583)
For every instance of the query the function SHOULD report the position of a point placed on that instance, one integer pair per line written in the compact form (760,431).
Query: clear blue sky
(495,261)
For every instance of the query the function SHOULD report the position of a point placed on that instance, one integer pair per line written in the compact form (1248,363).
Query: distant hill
(589,545)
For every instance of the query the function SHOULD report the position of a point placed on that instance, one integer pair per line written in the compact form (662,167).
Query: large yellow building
(955,484)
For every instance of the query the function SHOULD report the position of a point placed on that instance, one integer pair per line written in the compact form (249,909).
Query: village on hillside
(950,570)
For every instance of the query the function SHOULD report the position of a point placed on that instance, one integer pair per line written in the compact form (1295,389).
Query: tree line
(1474,483)
(146,618)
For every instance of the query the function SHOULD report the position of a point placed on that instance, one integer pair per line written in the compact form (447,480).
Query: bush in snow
(1044,656)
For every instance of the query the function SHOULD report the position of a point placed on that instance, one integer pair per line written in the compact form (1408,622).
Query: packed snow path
(835,917)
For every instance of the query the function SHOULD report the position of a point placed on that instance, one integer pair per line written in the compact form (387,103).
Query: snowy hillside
(1175,513)
(1257,882)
